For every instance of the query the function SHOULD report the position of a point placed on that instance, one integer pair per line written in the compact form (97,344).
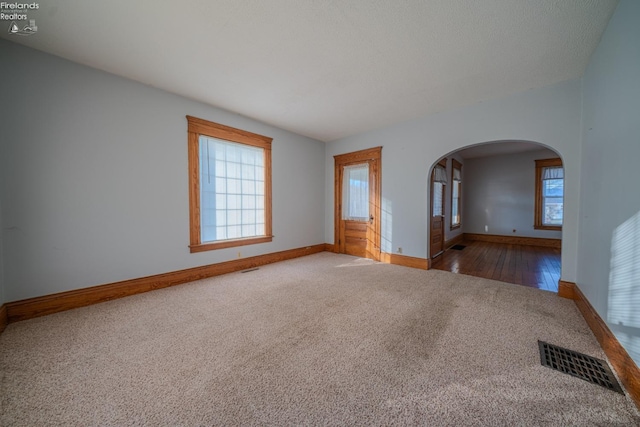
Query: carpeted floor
(321,340)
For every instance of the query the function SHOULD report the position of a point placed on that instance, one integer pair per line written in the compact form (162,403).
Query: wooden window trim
(540,165)
(455,165)
(197,127)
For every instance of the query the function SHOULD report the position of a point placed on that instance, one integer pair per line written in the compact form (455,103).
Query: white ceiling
(333,68)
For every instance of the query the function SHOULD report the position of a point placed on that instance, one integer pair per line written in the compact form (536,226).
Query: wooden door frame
(356,157)
(443,163)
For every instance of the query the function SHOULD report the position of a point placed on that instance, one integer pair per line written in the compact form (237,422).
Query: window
(230,186)
(456,192)
(549,194)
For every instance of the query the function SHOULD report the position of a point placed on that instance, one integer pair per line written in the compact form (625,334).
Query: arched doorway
(501,206)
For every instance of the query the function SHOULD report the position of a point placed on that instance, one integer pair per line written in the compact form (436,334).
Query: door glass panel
(438,188)
(355,192)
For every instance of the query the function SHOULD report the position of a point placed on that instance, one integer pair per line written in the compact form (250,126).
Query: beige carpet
(321,340)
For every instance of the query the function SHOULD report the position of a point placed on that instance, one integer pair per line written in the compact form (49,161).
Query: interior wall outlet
(486,228)
(399,250)
(514,230)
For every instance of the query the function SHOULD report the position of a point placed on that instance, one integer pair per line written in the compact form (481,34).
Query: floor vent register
(579,365)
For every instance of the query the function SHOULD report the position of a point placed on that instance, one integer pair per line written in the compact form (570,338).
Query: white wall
(550,115)
(500,193)
(94,178)
(609,250)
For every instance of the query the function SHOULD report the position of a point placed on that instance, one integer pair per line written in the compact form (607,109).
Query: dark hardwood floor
(533,266)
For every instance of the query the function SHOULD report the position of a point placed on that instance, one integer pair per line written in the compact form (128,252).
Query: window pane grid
(549,202)
(455,214)
(552,195)
(455,201)
(232,189)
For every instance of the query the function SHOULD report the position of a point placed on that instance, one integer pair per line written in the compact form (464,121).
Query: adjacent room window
(549,194)
(456,193)
(355,192)
(230,186)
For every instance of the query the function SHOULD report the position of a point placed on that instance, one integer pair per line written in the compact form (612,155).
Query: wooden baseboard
(4,318)
(514,240)
(627,370)
(396,259)
(566,289)
(48,304)
(405,261)
(456,240)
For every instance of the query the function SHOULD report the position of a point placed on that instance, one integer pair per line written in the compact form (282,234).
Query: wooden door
(436,229)
(357,225)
